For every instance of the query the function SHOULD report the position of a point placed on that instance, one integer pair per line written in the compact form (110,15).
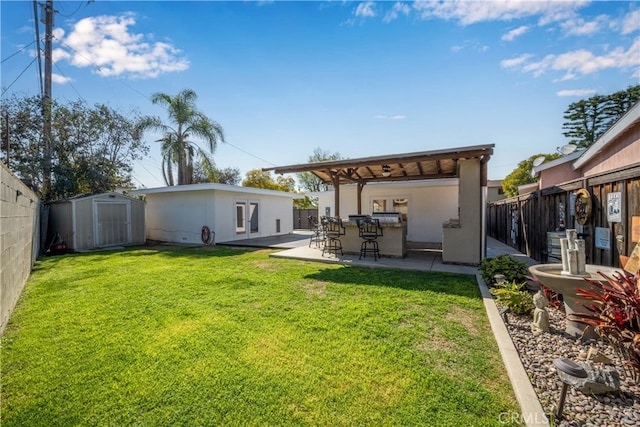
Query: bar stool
(369,230)
(333,230)
(318,231)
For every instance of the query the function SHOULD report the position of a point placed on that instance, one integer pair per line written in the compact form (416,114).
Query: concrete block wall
(18,240)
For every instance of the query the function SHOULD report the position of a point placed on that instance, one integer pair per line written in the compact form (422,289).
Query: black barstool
(333,230)
(369,230)
(317,231)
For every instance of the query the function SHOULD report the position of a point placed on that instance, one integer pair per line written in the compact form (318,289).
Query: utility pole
(46,100)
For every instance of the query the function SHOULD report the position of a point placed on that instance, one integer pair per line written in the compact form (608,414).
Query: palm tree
(177,147)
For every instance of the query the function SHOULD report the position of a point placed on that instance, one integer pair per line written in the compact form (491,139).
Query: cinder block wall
(18,240)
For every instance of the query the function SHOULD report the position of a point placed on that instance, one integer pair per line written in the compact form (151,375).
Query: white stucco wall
(177,215)
(430,204)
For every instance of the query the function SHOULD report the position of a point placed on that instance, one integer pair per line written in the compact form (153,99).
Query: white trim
(624,123)
(558,161)
(219,187)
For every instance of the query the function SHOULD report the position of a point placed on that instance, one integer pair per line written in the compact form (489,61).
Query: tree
(229,176)
(309,181)
(257,178)
(588,119)
(177,147)
(522,174)
(92,150)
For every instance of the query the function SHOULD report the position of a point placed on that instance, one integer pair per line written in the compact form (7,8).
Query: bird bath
(551,276)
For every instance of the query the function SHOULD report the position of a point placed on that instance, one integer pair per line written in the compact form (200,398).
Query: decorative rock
(596,356)
(537,354)
(598,381)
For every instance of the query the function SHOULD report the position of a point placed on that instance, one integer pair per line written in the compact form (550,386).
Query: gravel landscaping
(537,354)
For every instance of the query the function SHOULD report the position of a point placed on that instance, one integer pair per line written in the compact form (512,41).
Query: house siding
(625,152)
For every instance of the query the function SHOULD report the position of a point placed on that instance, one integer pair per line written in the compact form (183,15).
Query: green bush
(512,269)
(514,296)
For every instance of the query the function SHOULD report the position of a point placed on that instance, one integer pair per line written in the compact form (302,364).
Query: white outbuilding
(87,222)
(204,213)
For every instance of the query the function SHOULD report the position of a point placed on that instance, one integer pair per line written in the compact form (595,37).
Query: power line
(19,75)
(69,82)
(250,154)
(75,11)
(17,52)
(98,67)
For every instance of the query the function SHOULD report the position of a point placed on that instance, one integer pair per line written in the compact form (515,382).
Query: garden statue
(540,322)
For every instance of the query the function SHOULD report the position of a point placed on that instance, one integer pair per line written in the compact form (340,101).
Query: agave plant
(615,316)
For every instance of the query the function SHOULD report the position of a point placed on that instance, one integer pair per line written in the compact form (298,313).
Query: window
(379,205)
(253,215)
(240,218)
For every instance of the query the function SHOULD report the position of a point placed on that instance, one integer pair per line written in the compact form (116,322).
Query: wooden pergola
(437,164)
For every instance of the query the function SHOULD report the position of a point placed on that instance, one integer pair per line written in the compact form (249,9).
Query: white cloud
(105,42)
(57,78)
(580,27)
(471,12)
(579,62)
(393,117)
(516,32)
(515,62)
(576,92)
(59,54)
(631,22)
(472,45)
(366,10)
(397,9)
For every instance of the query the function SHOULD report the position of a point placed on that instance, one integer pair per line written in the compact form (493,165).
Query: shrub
(615,316)
(514,296)
(512,269)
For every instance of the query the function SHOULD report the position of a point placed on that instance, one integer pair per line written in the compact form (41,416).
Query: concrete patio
(420,256)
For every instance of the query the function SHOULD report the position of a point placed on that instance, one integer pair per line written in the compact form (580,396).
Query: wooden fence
(524,221)
(301,218)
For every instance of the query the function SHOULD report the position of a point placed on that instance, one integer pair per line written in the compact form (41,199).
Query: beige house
(441,195)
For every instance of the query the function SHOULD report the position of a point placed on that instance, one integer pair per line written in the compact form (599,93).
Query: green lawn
(213,336)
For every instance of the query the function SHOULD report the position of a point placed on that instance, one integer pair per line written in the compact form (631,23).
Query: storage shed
(99,220)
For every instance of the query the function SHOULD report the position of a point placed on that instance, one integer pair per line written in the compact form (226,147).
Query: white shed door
(112,223)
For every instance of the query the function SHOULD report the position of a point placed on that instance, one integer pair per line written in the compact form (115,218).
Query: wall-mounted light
(386,170)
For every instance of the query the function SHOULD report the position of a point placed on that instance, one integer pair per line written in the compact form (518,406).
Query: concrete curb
(532,412)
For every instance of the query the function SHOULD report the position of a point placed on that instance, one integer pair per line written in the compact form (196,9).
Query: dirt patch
(437,342)
(264,265)
(465,318)
(316,289)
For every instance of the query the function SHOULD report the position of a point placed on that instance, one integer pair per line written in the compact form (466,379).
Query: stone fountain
(565,278)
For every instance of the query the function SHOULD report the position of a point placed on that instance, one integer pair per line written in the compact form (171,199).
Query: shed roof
(110,194)
(434,164)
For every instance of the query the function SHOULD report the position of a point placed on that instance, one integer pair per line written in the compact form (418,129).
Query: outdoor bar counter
(392,243)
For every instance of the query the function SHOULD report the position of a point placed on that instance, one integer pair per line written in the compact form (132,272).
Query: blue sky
(358,78)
